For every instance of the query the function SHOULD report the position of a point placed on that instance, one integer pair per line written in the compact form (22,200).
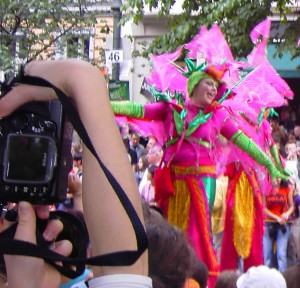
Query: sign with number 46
(114,56)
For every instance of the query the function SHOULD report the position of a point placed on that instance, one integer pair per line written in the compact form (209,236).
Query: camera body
(35,154)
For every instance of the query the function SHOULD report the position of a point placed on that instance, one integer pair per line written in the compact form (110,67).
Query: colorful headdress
(196,73)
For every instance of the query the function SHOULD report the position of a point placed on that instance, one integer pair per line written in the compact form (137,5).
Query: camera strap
(120,258)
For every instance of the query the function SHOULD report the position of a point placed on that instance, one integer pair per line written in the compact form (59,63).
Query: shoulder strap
(120,258)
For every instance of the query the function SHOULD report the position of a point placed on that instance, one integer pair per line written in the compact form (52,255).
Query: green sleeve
(250,147)
(134,110)
(275,154)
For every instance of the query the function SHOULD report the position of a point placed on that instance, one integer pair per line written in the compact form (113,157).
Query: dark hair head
(227,279)
(292,276)
(151,169)
(284,183)
(77,156)
(274,119)
(172,260)
(169,256)
(144,159)
(131,132)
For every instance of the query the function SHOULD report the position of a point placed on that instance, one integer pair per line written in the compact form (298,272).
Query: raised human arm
(109,227)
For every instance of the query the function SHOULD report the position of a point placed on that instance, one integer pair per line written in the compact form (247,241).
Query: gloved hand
(275,154)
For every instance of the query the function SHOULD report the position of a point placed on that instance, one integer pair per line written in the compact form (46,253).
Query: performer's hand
(276,174)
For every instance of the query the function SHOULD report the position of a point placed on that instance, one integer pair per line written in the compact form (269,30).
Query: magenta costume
(196,143)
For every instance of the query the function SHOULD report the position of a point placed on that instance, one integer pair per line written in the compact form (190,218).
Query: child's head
(143,162)
(291,150)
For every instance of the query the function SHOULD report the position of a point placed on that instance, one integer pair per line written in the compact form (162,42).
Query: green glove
(134,110)
(247,145)
(275,154)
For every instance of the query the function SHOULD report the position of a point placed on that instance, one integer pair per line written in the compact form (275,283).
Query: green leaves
(236,18)
(29,29)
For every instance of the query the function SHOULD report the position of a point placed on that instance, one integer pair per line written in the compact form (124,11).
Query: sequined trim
(192,170)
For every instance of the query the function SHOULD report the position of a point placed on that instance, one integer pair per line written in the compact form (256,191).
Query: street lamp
(116,8)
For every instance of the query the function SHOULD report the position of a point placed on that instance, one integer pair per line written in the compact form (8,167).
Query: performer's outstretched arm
(150,111)
(251,148)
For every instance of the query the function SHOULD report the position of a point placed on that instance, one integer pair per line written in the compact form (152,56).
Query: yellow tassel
(179,205)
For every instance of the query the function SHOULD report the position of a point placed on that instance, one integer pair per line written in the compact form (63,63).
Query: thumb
(26,229)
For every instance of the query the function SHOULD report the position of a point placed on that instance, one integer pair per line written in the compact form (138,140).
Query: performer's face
(204,92)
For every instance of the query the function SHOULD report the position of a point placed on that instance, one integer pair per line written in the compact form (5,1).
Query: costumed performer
(244,220)
(190,131)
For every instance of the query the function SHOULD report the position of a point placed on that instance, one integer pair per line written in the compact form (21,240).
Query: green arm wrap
(275,154)
(134,110)
(247,145)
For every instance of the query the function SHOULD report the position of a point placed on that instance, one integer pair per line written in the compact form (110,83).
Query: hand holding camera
(20,267)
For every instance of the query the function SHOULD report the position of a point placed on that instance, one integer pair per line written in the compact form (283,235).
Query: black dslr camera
(35,154)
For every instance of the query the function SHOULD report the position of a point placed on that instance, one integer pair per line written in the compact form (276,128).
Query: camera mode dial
(20,122)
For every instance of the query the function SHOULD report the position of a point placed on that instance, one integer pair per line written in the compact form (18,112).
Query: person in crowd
(292,276)
(261,277)
(291,160)
(294,237)
(135,144)
(148,191)
(73,201)
(279,133)
(297,132)
(154,158)
(190,131)
(198,274)
(278,210)
(106,235)
(132,154)
(152,141)
(291,137)
(142,166)
(227,279)
(77,164)
(287,117)
(297,135)
(172,261)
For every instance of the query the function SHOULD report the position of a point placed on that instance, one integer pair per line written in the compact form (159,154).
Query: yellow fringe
(179,205)
(243,217)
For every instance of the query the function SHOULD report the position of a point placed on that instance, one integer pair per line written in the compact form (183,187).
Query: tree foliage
(29,29)
(236,19)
